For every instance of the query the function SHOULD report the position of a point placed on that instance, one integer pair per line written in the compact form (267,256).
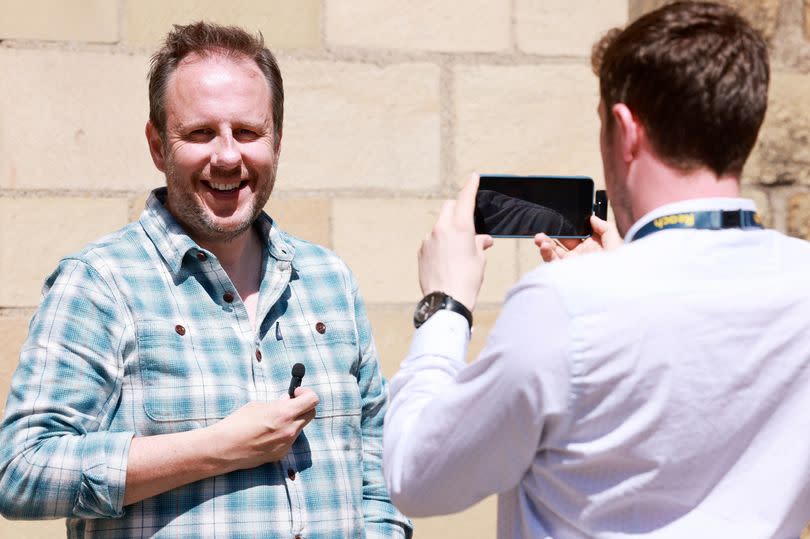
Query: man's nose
(226,153)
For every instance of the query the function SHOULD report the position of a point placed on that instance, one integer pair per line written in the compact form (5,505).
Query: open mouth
(226,187)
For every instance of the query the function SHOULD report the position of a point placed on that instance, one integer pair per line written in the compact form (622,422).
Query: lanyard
(708,220)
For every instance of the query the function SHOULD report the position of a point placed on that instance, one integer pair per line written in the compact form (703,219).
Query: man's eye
(201,135)
(245,134)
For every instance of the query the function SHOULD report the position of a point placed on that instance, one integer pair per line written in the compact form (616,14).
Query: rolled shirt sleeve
(57,458)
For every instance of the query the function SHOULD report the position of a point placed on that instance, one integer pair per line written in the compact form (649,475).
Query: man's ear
(156,147)
(628,130)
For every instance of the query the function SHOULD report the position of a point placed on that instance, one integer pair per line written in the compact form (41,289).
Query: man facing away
(656,390)
(151,394)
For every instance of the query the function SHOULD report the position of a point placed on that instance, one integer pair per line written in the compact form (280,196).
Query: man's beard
(192,214)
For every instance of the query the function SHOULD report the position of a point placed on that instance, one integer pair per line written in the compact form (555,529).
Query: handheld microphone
(298,371)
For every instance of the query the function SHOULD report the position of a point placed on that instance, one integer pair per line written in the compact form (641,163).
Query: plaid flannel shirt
(142,333)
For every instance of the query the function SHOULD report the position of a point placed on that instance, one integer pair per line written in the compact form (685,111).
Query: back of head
(204,38)
(696,76)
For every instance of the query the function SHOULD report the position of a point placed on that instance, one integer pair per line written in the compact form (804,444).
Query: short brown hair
(209,38)
(696,76)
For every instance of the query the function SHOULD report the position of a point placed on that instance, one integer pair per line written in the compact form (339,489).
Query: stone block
(782,154)
(37,529)
(480,26)
(379,239)
(762,14)
(71,120)
(565,28)
(527,120)
(763,202)
(94,21)
(353,125)
(137,204)
(392,327)
(807,35)
(480,520)
(283,24)
(36,232)
(308,218)
(799,215)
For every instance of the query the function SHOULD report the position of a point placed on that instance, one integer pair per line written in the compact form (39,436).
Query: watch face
(429,305)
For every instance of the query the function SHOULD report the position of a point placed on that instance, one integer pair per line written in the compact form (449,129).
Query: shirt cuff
(104,475)
(444,334)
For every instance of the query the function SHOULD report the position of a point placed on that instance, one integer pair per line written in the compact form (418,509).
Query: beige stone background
(389,105)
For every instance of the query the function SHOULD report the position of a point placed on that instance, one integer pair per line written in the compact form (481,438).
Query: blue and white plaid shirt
(142,333)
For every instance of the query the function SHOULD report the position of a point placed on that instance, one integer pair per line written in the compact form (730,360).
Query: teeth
(224,186)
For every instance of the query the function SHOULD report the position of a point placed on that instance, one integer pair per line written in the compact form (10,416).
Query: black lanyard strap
(708,220)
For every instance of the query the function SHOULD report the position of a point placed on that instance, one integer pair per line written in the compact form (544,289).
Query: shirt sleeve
(56,457)
(382,519)
(456,433)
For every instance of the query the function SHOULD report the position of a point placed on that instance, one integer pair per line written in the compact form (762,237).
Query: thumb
(598,225)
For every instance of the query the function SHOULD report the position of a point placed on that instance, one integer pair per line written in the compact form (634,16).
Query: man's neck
(241,258)
(235,252)
(656,184)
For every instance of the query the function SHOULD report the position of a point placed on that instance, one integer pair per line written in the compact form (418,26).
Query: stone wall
(389,105)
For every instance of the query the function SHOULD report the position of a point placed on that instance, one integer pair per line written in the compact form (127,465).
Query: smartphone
(522,206)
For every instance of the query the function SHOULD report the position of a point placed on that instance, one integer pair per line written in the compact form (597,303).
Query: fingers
(304,402)
(465,203)
(569,244)
(550,249)
(484,242)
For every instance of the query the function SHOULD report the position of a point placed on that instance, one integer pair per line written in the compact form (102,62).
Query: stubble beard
(191,213)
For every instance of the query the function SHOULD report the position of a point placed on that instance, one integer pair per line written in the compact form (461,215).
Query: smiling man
(151,395)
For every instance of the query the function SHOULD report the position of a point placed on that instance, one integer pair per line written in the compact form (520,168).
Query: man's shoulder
(668,264)
(312,256)
(121,247)
(598,281)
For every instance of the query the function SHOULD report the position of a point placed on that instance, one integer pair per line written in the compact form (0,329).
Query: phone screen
(522,206)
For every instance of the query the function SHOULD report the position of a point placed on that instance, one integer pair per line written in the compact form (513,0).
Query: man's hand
(259,432)
(451,259)
(605,236)
(256,433)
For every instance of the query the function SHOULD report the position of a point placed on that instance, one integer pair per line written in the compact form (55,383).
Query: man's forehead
(219,56)
(206,82)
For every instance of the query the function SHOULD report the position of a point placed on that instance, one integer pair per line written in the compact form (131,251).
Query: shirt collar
(695,204)
(174,244)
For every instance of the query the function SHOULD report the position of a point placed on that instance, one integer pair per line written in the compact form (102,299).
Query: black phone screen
(521,206)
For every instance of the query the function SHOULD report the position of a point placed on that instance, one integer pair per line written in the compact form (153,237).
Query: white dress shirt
(659,390)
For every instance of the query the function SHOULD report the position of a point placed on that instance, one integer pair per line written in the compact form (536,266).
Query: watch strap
(457,307)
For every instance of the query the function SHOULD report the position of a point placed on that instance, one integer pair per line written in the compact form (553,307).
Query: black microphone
(298,371)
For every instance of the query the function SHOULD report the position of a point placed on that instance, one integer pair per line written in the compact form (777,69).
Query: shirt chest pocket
(190,374)
(328,350)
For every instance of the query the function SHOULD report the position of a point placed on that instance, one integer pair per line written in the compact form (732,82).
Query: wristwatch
(436,301)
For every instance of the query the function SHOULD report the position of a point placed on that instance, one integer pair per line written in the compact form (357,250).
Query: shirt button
(320,327)
(227,297)
(201,256)
(258,355)
(180,330)
(291,474)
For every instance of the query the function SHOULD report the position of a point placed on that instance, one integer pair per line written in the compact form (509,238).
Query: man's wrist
(437,301)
